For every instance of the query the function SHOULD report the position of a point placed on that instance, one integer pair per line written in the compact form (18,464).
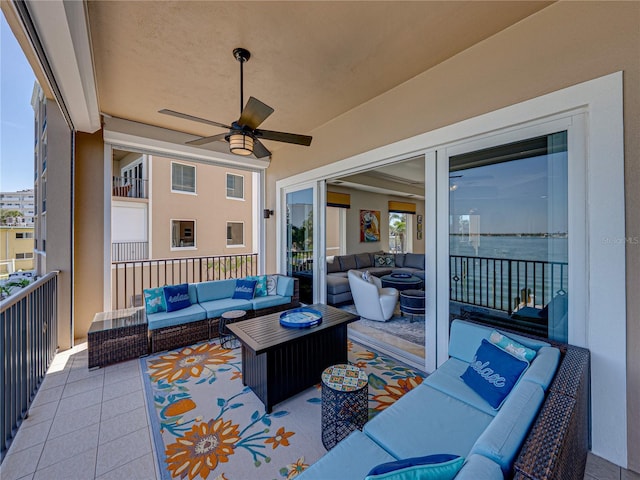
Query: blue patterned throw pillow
(244,289)
(493,372)
(431,467)
(272,285)
(510,345)
(154,300)
(261,285)
(176,297)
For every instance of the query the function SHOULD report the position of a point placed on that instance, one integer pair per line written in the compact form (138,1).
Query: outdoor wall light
(267,213)
(241,143)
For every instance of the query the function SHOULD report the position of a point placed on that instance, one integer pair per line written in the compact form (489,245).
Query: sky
(16,114)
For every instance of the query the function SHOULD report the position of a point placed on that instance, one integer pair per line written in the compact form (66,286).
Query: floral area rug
(207,424)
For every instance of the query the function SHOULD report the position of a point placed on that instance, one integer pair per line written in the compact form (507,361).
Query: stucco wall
(89,220)
(209,207)
(562,45)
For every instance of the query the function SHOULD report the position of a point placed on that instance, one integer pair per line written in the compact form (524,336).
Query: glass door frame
(319,195)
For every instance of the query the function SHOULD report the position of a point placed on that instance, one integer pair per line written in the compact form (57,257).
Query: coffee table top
(344,378)
(125,317)
(264,333)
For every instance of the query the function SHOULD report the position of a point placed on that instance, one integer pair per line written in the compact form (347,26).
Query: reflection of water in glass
(513,247)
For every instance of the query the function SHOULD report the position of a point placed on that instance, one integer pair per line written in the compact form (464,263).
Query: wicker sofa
(540,432)
(200,321)
(338,289)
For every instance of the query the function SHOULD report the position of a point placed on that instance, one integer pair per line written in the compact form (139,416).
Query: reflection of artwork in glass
(369,225)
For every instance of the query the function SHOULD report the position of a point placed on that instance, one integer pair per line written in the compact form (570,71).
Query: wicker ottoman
(345,403)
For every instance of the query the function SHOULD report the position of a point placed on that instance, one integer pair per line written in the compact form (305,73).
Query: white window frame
(195,179)
(227,188)
(243,234)
(195,244)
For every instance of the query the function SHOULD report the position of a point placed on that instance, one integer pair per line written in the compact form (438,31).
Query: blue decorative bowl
(302,317)
(401,275)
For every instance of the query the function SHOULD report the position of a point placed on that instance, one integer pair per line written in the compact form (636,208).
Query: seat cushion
(192,313)
(341,462)
(215,308)
(337,284)
(426,421)
(477,467)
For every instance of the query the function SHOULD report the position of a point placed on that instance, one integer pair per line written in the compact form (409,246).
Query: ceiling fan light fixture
(241,143)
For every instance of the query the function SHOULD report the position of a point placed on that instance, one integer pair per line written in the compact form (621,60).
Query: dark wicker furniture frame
(124,341)
(177,336)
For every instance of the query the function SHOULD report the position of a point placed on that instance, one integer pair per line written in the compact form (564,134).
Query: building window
(235,234)
(235,186)
(20,256)
(183,178)
(183,233)
(24,235)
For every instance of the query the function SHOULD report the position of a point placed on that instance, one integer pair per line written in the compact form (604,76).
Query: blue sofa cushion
(154,300)
(543,368)
(343,462)
(285,286)
(447,379)
(493,373)
(215,290)
(425,421)
(245,290)
(503,438)
(269,301)
(478,467)
(399,259)
(176,297)
(261,285)
(430,467)
(465,338)
(215,308)
(192,313)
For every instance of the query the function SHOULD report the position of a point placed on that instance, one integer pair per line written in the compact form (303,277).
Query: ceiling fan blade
(259,150)
(205,140)
(186,116)
(284,137)
(254,113)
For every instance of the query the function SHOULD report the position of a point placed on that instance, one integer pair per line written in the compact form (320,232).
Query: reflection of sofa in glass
(338,289)
(554,316)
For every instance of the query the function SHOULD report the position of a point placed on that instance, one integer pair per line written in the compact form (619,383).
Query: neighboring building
(22,201)
(16,249)
(167,208)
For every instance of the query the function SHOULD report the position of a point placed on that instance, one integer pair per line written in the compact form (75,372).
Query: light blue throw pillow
(244,289)
(261,285)
(176,297)
(431,467)
(509,345)
(154,300)
(493,373)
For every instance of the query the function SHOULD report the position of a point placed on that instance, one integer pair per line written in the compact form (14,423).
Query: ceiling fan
(243,135)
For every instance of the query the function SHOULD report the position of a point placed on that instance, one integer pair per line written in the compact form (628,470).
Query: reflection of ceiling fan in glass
(243,135)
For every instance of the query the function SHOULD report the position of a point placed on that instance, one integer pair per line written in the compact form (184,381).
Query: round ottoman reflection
(412,302)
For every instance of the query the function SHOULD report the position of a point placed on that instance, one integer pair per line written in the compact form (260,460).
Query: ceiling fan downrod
(241,55)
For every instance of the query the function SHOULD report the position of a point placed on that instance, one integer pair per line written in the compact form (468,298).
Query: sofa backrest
(414,260)
(215,289)
(466,337)
(347,262)
(363,260)
(333,265)
(285,286)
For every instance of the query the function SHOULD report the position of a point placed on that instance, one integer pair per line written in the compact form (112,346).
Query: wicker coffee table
(345,403)
(117,335)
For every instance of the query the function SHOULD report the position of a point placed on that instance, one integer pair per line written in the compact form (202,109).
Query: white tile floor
(87,425)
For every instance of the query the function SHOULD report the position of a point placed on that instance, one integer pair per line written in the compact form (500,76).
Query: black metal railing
(299,261)
(130,279)
(28,343)
(129,251)
(505,284)
(130,187)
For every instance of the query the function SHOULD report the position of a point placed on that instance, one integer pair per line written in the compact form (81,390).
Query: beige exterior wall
(10,246)
(562,45)
(209,208)
(88,226)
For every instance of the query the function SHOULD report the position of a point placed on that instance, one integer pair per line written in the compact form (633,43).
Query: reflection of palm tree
(398,229)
